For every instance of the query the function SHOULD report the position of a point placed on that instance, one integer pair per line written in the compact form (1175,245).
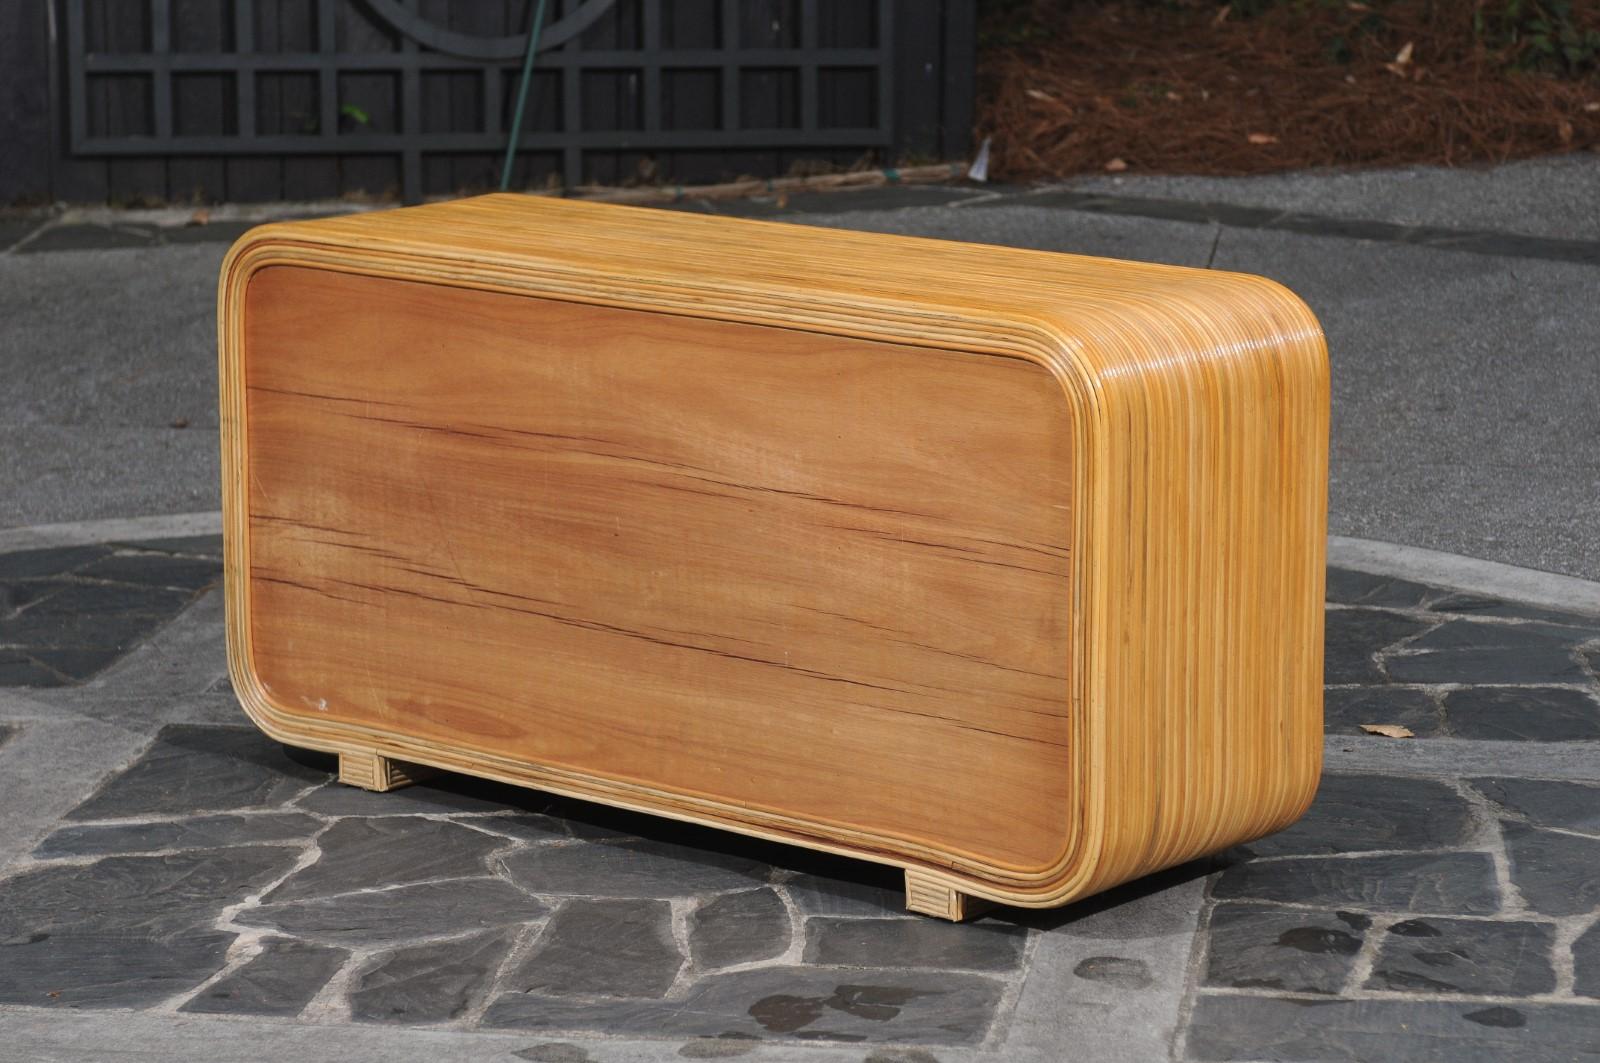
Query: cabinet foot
(928,896)
(372,771)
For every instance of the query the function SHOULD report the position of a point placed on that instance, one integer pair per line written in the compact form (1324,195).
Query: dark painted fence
(200,100)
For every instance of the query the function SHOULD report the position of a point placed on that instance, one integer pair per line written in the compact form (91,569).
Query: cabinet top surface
(1075,298)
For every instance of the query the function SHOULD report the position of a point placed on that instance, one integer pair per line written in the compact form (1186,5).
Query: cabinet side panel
(800,575)
(1214,507)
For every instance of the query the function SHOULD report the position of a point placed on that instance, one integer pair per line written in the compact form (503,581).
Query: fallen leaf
(1402,61)
(1358,7)
(1116,166)
(1040,94)
(1262,138)
(1565,131)
(1591,107)
(181,422)
(1388,730)
(1174,97)
(1222,15)
(199,217)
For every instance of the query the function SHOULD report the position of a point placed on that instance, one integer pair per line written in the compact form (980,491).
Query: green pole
(522,96)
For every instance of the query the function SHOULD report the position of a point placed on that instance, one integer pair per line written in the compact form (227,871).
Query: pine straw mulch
(1192,87)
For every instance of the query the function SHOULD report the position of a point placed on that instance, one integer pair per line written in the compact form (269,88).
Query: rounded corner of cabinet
(1305,782)
(256,701)
(249,689)
(1081,870)
(1291,319)
(251,253)
(1056,350)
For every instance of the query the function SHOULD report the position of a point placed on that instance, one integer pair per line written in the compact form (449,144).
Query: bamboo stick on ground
(911,175)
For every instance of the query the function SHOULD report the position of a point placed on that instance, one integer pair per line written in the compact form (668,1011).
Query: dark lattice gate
(252,99)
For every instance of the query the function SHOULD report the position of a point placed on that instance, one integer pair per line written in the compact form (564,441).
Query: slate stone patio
(68,612)
(1445,912)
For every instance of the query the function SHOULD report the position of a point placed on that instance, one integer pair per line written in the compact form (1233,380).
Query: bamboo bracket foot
(372,771)
(926,896)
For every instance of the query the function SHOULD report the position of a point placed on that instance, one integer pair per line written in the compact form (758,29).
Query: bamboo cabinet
(1002,567)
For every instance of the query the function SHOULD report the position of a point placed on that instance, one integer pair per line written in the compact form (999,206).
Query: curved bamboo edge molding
(1199,412)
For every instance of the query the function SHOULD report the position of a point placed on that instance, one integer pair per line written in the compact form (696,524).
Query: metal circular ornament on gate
(399,18)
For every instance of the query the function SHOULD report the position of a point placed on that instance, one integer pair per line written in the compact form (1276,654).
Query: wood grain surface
(1004,567)
(717,558)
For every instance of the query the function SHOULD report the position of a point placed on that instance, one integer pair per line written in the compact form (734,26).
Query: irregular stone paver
(18,669)
(1258,947)
(1257,1028)
(436,982)
(739,928)
(800,1003)
(1466,956)
(68,640)
(210,769)
(67,613)
(1456,883)
(98,616)
(1355,813)
(75,663)
(1346,709)
(912,943)
(603,948)
(280,980)
(145,895)
(1557,874)
(1586,962)
(383,915)
(636,869)
(204,832)
(1461,634)
(124,931)
(1544,664)
(1567,805)
(1482,605)
(1349,587)
(1355,637)
(179,573)
(531,827)
(108,970)
(357,853)
(1466,651)
(1537,714)
(54,561)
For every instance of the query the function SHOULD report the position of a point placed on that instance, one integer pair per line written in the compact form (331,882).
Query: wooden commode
(1002,567)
